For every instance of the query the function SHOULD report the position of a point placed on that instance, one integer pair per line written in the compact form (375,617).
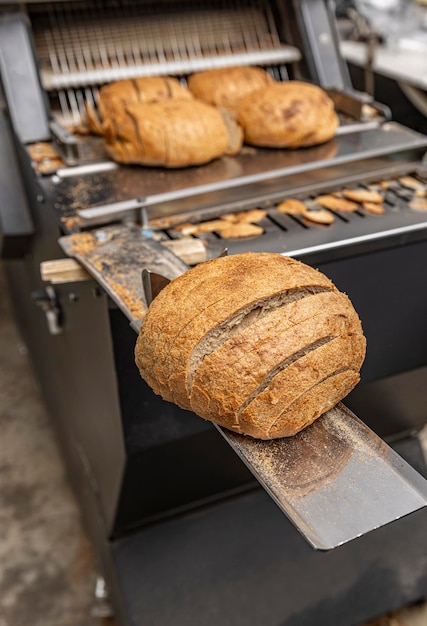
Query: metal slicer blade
(152,284)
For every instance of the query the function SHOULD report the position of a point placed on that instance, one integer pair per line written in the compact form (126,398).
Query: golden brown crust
(261,347)
(243,340)
(374,208)
(410,182)
(291,206)
(287,115)
(344,352)
(113,98)
(196,137)
(238,220)
(418,204)
(250,216)
(212,226)
(93,121)
(314,403)
(233,283)
(319,216)
(168,133)
(225,87)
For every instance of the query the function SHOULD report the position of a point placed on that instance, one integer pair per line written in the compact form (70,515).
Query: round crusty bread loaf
(259,343)
(287,115)
(114,97)
(169,133)
(226,86)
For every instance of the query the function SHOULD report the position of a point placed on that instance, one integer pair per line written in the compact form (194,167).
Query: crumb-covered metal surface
(242,180)
(115,256)
(381,213)
(335,480)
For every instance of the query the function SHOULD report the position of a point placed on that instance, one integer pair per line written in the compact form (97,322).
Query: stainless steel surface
(358,231)
(320,44)
(84,170)
(359,106)
(335,480)
(374,237)
(20,81)
(152,284)
(254,175)
(177,67)
(115,256)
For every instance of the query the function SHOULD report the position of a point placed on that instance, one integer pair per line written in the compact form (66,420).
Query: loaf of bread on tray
(226,86)
(259,343)
(292,114)
(114,97)
(171,133)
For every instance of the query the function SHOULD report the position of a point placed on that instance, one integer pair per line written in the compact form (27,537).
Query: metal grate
(78,45)
(404,203)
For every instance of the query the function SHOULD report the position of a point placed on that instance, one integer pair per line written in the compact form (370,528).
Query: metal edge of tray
(115,257)
(335,480)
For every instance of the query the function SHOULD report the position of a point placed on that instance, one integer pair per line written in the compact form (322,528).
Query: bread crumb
(336,204)
(374,208)
(82,243)
(239,231)
(320,216)
(291,206)
(362,195)
(419,204)
(130,298)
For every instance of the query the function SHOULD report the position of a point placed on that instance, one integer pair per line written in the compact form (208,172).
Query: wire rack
(86,44)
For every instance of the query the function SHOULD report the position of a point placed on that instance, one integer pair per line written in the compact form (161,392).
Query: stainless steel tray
(99,196)
(335,480)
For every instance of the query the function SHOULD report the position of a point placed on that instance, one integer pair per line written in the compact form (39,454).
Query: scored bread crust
(265,412)
(313,404)
(134,134)
(260,348)
(226,86)
(292,114)
(114,97)
(212,293)
(168,133)
(244,340)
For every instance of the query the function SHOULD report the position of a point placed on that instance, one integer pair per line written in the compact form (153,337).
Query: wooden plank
(63,271)
(189,250)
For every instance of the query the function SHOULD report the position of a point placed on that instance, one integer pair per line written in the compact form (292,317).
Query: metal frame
(236,560)
(27,104)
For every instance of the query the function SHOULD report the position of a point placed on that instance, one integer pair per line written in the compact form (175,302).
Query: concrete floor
(47,569)
(47,573)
